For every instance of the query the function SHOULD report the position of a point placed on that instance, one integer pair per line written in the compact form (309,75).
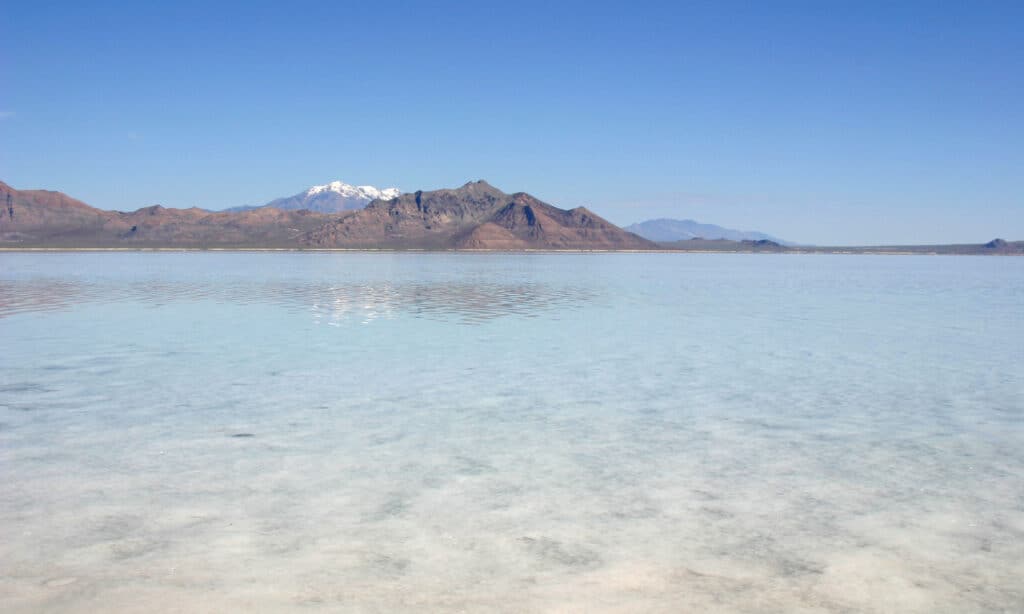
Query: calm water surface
(428,432)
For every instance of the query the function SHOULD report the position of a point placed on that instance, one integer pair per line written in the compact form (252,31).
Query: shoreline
(846,251)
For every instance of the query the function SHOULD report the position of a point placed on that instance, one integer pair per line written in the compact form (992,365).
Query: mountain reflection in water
(331,304)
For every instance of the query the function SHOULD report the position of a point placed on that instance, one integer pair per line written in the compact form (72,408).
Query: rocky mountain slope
(475,216)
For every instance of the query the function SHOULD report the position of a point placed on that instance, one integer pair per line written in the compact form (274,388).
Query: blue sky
(823,122)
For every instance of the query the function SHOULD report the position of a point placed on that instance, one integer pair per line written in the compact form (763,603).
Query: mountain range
(474,216)
(333,197)
(666,230)
(338,196)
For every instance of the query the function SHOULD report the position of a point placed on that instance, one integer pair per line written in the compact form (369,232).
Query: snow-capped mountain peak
(352,191)
(332,197)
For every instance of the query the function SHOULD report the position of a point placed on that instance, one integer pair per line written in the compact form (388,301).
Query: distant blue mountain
(665,230)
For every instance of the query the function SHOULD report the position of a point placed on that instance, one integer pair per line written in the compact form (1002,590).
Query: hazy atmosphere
(860,123)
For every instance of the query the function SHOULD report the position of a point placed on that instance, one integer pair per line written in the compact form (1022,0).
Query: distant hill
(333,197)
(996,247)
(42,218)
(665,230)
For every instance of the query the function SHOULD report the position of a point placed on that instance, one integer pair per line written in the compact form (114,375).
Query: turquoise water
(454,432)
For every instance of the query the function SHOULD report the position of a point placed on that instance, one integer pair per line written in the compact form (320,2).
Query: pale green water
(424,432)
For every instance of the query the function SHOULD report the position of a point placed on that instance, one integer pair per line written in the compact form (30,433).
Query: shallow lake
(487,432)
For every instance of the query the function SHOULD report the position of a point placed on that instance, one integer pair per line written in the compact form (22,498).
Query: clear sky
(819,122)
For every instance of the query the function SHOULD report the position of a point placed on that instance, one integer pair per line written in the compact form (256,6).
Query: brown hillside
(475,216)
(52,219)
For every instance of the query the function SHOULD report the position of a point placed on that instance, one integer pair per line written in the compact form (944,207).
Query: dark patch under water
(24,387)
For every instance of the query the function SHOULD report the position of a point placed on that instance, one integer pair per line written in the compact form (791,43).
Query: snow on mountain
(354,191)
(330,197)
